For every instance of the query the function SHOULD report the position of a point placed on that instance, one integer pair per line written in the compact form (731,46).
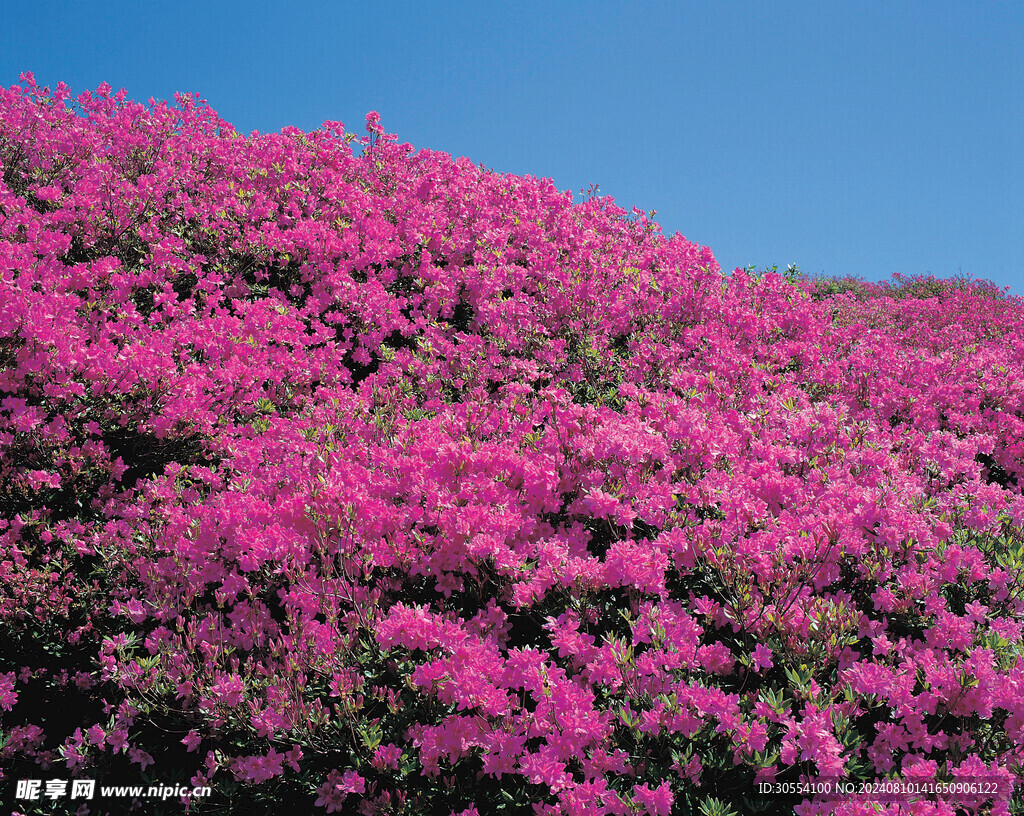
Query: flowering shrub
(373,481)
(900,287)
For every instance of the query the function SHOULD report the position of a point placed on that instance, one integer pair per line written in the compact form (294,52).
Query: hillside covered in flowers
(347,478)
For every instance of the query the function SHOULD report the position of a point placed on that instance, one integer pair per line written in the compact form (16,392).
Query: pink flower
(118,740)
(352,782)
(135,610)
(762,657)
(387,756)
(140,757)
(43,478)
(333,792)
(545,768)
(228,690)
(716,658)
(919,769)
(658,802)
(8,696)
(599,504)
(881,645)
(258,769)
(692,770)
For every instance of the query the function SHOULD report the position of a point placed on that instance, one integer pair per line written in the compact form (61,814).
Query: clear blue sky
(852,138)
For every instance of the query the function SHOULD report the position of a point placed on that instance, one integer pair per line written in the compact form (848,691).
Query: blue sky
(853,138)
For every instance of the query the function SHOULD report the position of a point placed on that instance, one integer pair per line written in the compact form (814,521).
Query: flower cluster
(335,472)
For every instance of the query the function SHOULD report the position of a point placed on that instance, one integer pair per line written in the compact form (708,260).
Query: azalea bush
(901,287)
(348,478)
